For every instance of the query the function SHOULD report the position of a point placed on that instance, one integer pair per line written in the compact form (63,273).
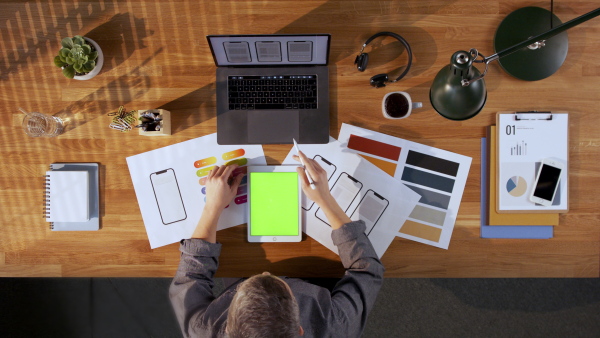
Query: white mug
(398,105)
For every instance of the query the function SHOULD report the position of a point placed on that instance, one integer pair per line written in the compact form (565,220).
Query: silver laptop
(272,88)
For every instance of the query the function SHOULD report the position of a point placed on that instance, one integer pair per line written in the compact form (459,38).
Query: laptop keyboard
(272,92)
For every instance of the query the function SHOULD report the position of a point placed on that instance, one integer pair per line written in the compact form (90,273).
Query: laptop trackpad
(275,126)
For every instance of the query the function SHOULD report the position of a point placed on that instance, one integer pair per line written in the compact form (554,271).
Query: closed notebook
(67,194)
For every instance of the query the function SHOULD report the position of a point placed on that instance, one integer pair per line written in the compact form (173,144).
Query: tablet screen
(274,204)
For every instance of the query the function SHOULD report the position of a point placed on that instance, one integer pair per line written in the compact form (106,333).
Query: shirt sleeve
(191,290)
(354,295)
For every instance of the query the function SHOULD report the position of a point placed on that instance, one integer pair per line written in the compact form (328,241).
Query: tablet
(274,202)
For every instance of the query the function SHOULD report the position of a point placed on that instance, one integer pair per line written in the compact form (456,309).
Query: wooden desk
(157,57)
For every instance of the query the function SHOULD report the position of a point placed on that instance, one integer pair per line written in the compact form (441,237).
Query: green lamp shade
(450,98)
(527,64)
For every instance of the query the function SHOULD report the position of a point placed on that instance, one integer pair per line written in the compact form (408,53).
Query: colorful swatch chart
(438,176)
(187,164)
(205,165)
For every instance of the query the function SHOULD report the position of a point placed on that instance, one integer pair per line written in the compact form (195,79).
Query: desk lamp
(458,91)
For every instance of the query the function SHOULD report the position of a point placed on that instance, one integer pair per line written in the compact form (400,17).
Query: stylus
(312,183)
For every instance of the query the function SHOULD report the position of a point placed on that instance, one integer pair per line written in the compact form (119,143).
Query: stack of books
(515,216)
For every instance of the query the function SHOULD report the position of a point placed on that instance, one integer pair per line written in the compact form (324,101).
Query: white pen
(312,183)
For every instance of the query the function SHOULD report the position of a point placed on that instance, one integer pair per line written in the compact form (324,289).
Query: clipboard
(524,139)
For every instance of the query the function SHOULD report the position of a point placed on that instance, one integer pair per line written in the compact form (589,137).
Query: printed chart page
(522,145)
(170,187)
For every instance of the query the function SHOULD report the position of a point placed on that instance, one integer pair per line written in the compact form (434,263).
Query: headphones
(362,60)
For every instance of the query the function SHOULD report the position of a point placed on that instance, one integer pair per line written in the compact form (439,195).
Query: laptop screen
(269,50)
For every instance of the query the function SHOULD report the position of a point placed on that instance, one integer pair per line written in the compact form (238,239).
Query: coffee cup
(398,105)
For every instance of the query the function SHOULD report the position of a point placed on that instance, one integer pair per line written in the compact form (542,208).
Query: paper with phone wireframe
(362,190)
(169,184)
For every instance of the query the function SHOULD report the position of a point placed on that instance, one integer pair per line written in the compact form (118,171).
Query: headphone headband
(362,59)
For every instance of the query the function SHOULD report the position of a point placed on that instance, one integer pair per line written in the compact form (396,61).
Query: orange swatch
(388,167)
(205,162)
(233,154)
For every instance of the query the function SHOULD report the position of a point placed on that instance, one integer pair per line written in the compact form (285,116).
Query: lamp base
(531,64)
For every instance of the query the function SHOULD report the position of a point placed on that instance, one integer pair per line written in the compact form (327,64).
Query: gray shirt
(339,313)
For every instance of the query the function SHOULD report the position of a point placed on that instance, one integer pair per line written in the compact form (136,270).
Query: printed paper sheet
(437,175)
(169,185)
(362,190)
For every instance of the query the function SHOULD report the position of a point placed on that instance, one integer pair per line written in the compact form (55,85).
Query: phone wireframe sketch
(546,182)
(344,191)
(168,196)
(330,169)
(370,209)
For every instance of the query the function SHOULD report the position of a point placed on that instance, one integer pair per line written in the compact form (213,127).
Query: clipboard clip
(547,117)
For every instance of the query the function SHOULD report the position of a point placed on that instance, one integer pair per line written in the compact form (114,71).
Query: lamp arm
(541,37)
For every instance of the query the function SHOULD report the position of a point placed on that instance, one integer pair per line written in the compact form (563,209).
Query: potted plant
(80,58)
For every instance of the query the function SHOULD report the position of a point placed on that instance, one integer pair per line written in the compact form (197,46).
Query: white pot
(99,62)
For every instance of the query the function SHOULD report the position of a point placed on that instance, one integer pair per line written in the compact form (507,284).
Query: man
(269,306)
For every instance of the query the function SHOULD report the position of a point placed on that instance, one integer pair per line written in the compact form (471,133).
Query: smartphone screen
(329,168)
(547,182)
(168,196)
(370,209)
(344,191)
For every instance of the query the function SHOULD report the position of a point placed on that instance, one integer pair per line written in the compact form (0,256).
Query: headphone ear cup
(361,61)
(379,80)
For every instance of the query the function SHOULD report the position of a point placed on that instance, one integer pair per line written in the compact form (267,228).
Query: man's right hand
(321,194)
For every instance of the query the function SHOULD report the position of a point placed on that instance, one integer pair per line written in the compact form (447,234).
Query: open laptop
(272,88)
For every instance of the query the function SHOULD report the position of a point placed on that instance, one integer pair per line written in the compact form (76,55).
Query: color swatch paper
(437,175)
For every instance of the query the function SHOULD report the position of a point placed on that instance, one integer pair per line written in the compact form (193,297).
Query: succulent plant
(76,56)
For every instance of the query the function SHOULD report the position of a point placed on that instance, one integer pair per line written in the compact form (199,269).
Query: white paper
(401,199)
(523,145)
(437,210)
(182,159)
(67,193)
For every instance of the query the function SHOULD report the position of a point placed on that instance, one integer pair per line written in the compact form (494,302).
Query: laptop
(272,88)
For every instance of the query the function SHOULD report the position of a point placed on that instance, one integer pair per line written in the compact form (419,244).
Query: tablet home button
(274,239)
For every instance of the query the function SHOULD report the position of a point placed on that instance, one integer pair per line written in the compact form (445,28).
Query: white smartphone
(344,191)
(370,209)
(329,168)
(546,182)
(168,196)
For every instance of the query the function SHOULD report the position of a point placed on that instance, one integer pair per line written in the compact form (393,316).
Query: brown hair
(263,307)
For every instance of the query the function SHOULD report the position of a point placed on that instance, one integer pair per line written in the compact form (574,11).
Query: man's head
(263,306)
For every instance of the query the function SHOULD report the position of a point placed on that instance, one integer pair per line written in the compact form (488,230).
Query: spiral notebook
(71,198)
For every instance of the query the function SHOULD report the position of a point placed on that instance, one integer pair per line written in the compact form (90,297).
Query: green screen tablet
(274,204)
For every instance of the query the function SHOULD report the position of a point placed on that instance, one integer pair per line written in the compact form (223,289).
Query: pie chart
(516,186)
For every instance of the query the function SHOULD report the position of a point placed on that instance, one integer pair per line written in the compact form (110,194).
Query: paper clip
(120,125)
(122,120)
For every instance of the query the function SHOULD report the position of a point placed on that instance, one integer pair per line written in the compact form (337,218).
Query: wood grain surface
(157,57)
